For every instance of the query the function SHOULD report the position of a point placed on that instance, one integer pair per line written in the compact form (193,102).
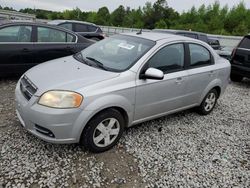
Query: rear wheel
(208,102)
(236,78)
(103,131)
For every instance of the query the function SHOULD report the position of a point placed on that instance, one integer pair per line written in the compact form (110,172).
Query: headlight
(61,99)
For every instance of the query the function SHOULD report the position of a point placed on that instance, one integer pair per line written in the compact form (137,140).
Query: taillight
(233,52)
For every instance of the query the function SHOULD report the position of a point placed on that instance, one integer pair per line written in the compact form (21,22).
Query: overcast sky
(88,5)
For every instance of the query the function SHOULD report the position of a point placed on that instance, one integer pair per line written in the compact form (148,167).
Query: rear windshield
(245,43)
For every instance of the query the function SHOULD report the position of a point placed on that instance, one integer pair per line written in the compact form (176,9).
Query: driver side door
(158,97)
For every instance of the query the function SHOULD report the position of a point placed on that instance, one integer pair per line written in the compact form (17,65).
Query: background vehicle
(85,29)
(214,43)
(25,44)
(225,52)
(241,60)
(116,83)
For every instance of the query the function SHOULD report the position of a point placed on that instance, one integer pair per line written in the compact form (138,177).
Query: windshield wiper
(79,57)
(98,63)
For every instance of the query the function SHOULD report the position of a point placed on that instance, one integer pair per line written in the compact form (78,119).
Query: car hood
(65,74)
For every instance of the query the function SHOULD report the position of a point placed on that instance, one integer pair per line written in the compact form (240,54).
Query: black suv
(241,60)
(85,29)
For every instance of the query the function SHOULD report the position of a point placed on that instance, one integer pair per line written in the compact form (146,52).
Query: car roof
(55,22)
(11,23)
(178,31)
(158,36)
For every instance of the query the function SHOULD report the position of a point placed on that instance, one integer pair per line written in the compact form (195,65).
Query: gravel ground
(180,150)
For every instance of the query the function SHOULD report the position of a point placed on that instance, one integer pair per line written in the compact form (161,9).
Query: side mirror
(153,73)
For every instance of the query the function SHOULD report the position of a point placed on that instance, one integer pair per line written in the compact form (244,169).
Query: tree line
(213,19)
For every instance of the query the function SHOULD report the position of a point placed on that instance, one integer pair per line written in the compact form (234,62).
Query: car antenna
(139,32)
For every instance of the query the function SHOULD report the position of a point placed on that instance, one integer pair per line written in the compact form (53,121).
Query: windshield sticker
(126,46)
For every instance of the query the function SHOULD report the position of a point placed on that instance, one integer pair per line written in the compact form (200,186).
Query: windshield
(117,53)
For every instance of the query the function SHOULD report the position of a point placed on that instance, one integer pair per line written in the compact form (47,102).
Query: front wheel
(103,131)
(208,102)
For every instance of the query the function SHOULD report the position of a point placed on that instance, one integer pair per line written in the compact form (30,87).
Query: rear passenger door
(201,71)
(52,43)
(16,48)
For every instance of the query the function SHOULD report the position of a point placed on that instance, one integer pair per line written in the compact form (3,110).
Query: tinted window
(91,28)
(169,58)
(81,28)
(67,26)
(16,34)
(199,55)
(45,34)
(245,43)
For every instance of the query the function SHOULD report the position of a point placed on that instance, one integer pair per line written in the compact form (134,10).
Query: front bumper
(65,124)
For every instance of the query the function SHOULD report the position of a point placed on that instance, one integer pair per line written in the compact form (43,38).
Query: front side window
(16,34)
(117,53)
(199,55)
(169,58)
(45,34)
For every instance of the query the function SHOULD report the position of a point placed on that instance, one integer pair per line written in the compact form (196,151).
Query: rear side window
(245,43)
(91,28)
(70,38)
(16,34)
(67,26)
(81,28)
(50,35)
(169,58)
(199,56)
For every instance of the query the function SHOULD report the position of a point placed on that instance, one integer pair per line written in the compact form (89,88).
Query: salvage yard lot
(184,149)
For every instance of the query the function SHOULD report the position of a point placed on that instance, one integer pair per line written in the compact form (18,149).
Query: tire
(236,78)
(208,102)
(103,131)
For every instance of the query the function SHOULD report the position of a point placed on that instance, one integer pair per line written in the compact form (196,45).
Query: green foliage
(212,19)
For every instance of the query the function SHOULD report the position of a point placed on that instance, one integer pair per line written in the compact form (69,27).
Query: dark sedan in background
(85,29)
(26,44)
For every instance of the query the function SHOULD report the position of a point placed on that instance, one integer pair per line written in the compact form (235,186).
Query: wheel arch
(215,84)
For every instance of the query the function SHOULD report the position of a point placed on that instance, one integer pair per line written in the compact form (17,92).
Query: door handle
(178,80)
(25,50)
(69,48)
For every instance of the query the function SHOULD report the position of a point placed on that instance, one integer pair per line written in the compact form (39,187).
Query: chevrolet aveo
(90,97)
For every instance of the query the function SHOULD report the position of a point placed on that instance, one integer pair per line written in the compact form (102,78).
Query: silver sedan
(121,81)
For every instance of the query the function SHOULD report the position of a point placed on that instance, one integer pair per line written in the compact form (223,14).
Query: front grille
(44,131)
(28,89)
